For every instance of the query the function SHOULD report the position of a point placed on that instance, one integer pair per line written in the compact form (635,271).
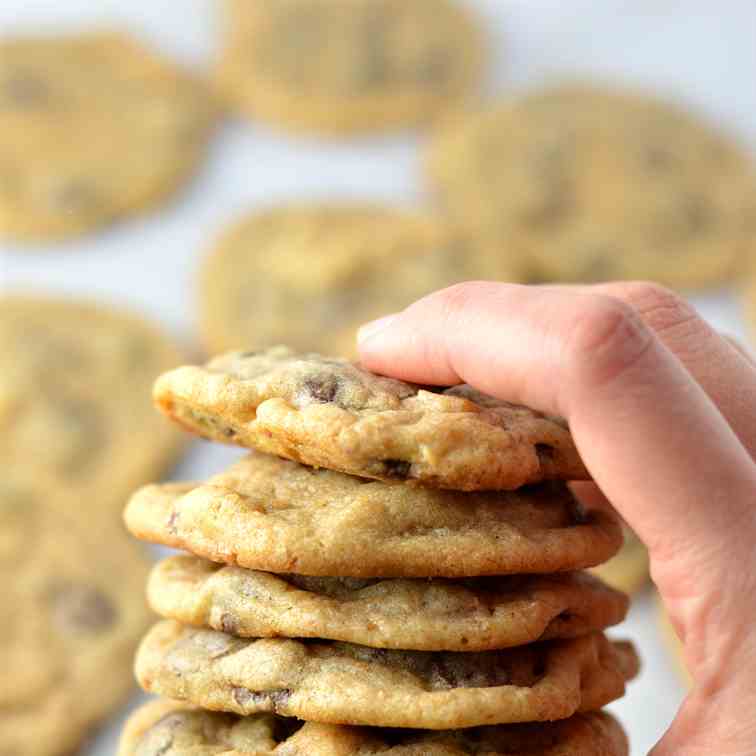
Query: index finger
(652,438)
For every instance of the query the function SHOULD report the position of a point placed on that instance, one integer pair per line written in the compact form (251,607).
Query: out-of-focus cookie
(585,184)
(310,275)
(332,413)
(93,127)
(75,406)
(340,683)
(71,618)
(478,614)
(337,67)
(266,513)
(628,570)
(168,728)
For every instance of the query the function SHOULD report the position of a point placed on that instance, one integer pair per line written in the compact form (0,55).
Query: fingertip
(373,327)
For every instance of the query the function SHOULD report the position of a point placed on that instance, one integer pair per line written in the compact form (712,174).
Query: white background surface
(698,50)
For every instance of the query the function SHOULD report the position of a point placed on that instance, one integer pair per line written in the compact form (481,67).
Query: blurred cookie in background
(672,642)
(588,184)
(71,617)
(628,570)
(337,67)
(93,127)
(310,275)
(75,406)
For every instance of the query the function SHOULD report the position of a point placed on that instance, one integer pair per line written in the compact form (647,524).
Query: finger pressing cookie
(332,413)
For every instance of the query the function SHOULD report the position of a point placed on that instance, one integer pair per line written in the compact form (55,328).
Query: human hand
(663,411)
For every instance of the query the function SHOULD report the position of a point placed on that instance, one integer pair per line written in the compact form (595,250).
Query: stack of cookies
(398,566)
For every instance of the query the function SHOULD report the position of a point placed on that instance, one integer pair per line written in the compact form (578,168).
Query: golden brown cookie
(309,275)
(93,127)
(478,614)
(579,183)
(628,570)
(337,67)
(340,683)
(167,728)
(271,514)
(332,413)
(70,620)
(75,383)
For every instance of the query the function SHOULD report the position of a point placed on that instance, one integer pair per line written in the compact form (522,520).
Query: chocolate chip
(267,700)
(321,388)
(76,196)
(396,468)
(545,454)
(657,158)
(81,609)
(247,355)
(25,90)
(373,65)
(229,624)
(435,68)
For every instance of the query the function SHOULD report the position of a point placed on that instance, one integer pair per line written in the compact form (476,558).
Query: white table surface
(698,50)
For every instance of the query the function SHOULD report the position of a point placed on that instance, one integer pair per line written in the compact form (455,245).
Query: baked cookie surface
(167,728)
(60,364)
(331,413)
(584,184)
(309,275)
(429,615)
(70,621)
(271,514)
(93,127)
(337,67)
(340,683)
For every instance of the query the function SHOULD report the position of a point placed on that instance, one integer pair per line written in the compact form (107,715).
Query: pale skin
(663,411)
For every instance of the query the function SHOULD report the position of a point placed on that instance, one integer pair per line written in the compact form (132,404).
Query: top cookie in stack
(318,601)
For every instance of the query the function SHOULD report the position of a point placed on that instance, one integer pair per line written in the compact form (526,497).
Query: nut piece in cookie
(328,412)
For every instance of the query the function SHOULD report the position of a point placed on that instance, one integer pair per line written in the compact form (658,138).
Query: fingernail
(373,327)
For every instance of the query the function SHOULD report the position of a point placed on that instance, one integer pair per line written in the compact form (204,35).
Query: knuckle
(606,339)
(664,311)
(457,299)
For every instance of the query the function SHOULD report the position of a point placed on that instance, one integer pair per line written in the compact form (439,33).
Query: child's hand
(663,410)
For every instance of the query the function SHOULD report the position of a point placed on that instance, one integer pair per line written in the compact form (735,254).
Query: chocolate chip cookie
(271,514)
(332,413)
(334,68)
(60,363)
(309,275)
(167,728)
(341,683)
(478,614)
(70,620)
(93,127)
(586,184)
